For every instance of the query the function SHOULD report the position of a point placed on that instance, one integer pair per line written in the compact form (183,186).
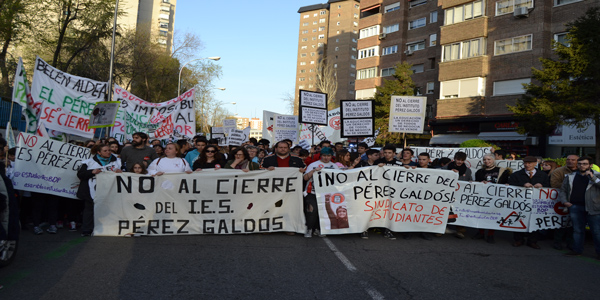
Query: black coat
(271,161)
(520,178)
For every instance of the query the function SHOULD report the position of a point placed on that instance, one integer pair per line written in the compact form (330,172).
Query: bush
(478,143)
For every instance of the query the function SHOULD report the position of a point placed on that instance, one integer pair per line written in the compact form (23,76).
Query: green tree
(401,85)
(566,91)
(13,24)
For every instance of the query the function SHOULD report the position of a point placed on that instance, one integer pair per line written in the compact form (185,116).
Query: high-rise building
(256,123)
(153,17)
(327,40)
(470,59)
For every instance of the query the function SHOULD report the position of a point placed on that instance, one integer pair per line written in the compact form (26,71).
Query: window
(512,45)
(366,93)
(432,40)
(464,12)
(310,86)
(315,14)
(510,87)
(352,75)
(300,86)
(305,39)
(323,12)
(338,23)
(387,72)
(303,47)
(355,24)
(356,6)
(165,8)
(312,54)
(368,52)
(337,48)
(302,71)
(508,6)
(391,28)
(302,63)
(321,20)
(354,40)
(311,70)
(301,79)
(304,31)
(306,16)
(418,23)
(414,3)
(563,2)
(163,33)
(314,22)
(391,7)
(305,24)
(415,46)
(303,55)
(312,62)
(314,30)
(562,38)
(430,88)
(163,16)
(369,31)
(390,50)
(164,25)
(462,88)
(356,16)
(417,68)
(433,17)
(321,28)
(162,42)
(465,49)
(335,66)
(352,66)
(367,73)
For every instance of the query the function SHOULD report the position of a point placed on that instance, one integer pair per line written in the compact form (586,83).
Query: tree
(401,85)
(288,99)
(326,82)
(12,26)
(566,91)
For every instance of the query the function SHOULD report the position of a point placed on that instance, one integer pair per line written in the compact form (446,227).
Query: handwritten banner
(159,120)
(208,202)
(22,96)
(67,100)
(47,166)
(434,152)
(286,127)
(407,114)
(399,199)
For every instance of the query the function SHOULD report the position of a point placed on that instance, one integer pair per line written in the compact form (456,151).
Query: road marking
(340,255)
(375,295)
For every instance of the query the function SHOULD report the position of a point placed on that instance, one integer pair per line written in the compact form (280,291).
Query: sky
(258,44)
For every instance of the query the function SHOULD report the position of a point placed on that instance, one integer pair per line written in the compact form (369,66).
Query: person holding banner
(282,158)
(138,152)
(102,161)
(528,177)
(310,200)
(171,163)
(210,158)
(458,166)
(406,157)
(580,192)
(241,161)
(193,155)
(389,157)
(372,156)
(491,173)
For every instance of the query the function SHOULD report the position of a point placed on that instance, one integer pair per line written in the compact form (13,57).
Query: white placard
(357,109)
(358,127)
(312,99)
(314,115)
(407,114)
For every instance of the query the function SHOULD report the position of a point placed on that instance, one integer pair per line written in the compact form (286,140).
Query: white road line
(375,295)
(340,256)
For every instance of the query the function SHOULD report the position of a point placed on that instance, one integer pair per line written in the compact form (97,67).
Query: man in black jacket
(528,177)
(281,158)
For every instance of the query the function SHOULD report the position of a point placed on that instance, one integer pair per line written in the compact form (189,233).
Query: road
(277,266)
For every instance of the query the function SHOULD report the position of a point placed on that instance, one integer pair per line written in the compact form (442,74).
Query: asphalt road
(277,266)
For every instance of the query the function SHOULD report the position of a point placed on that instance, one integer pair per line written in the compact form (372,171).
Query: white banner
(407,114)
(159,120)
(22,96)
(476,164)
(47,166)
(331,132)
(104,114)
(400,199)
(208,202)
(434,152)
(67,100)
(268,123)
(547,212)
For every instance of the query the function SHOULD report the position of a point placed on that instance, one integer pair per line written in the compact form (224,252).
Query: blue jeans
(580,218)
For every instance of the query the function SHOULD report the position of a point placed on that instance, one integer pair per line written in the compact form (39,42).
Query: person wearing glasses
(210,158)
(241,161)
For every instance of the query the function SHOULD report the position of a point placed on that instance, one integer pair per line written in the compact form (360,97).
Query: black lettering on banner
(204,207)
(290,185)
(167,225)
(183,186)
(184,224)
(192,211)
(121,183)
(141,185)
(136,227)
(277,225)
(277,183)
(153,224)
(223,226)
(205,228)
(123,225)
(263,184)
(245,186)
(219,186)
(223,204)
(249,222)
(265,222)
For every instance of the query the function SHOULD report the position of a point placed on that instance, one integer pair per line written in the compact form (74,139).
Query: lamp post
(215,58)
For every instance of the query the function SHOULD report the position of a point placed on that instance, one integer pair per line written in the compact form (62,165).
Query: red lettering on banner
(548,194)
(30,141)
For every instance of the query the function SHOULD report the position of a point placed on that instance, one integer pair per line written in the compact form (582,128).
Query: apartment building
(329,32)
(470,59)
(153,17)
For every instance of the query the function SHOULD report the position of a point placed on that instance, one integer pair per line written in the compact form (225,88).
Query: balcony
(462,31)
(464,68)
(456,107)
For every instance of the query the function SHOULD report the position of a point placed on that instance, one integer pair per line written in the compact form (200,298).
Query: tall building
(328,32)
(256,123)
(470,59)
(153,17)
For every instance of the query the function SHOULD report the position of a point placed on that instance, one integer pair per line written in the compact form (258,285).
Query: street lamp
(215,58)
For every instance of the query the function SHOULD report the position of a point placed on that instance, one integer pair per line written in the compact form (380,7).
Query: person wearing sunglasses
(210,158)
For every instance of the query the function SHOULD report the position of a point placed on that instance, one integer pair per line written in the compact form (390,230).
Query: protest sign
(22,96)
(286,127)
(47,166)
(547,212)
(476,164)
(229,124)
(435,152)
(357,118)
(268,122)
(493,206)
(67,100)
(218,134)
(313,107)
(399,199)
(208,202)
(331,132)
(10,136)
(370,141)
(104,114)
(158,120)
(407,114)
(236,137)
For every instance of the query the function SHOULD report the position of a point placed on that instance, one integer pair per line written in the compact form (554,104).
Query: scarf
(103,161)
(242,165)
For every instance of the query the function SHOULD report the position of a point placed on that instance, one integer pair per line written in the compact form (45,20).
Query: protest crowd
(577,183)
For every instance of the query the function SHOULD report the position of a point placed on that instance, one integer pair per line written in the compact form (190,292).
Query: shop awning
(502,136)
(451,139)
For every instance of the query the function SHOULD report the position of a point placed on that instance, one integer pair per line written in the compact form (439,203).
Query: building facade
(470,59)
(153,17)
(327,40)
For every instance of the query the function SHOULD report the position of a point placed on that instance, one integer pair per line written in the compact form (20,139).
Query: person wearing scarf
(241,161)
